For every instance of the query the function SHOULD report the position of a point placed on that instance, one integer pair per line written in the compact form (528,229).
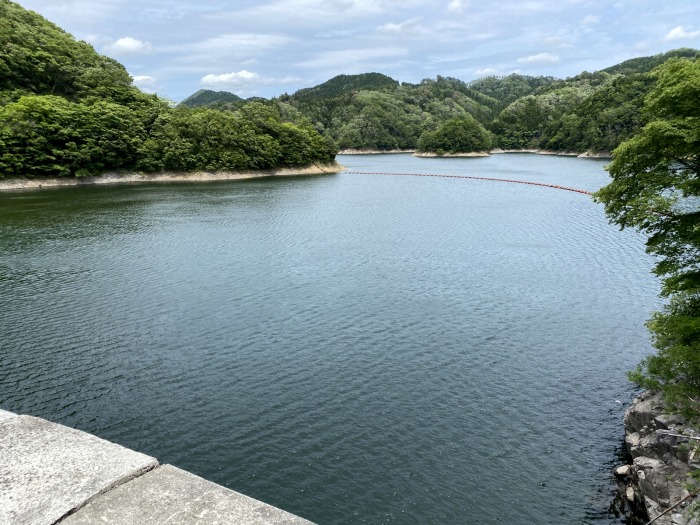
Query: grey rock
(663,483)
(48,470)
(643,411)
(170,495)
(669,421)
(623,471)
(655,510)
(641,444)
(669,439)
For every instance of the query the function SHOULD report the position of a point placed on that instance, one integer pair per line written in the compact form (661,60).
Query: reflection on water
(351,348)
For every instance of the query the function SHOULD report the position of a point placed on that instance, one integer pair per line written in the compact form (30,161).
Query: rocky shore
(665,450)
(23,183)
(584,155)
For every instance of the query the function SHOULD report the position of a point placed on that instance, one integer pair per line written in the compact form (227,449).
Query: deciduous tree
(656,189)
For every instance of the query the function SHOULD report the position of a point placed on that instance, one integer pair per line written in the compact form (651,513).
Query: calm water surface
(351,348)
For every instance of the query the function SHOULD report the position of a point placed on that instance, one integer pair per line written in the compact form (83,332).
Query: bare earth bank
(23,183)
(585,154)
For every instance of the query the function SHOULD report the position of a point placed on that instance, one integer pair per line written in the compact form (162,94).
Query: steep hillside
(38,57)
(346,83)
(207,97)
(66,110)
(646,64)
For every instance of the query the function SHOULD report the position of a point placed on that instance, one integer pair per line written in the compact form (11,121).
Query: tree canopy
(66,110)
(656,189)
(588,112)
(462,135)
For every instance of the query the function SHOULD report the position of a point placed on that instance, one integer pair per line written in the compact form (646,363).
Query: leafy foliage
(390,116)
(656,189)
(342,84)
(38,57)
(601,122)
(207,97)
(588,112)
(509,88)
(463,135)
(646,64)
(65,110)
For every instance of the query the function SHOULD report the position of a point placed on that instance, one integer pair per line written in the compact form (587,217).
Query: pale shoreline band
(195,176)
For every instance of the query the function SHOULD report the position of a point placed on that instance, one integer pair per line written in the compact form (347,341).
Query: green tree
(51,136)
(656,189)
(462,135)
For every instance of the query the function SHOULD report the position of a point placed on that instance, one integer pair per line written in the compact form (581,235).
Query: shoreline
(352,151)
(578,154)
(495,151)
(662,446)
(452,155)
(23,183)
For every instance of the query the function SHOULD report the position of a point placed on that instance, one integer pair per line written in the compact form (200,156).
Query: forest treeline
(655,189)
(589,112)
(66,110)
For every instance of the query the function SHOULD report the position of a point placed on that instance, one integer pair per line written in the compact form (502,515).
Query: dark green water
(351,348)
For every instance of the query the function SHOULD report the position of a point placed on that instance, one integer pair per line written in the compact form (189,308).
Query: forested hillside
(589,112)
(207,97)
(395,116)
(66,110)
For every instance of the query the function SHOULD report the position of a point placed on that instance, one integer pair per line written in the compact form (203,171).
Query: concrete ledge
(52,474)
(170,495)
(5,415)
(49,470)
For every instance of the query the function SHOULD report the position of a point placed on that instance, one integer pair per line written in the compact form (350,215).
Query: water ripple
(354,349)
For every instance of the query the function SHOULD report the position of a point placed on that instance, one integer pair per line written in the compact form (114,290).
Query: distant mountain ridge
(207,97)
(341,84)
(588,112)
(646,64)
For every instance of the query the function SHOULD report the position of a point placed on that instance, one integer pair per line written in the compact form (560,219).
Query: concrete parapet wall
(51,474)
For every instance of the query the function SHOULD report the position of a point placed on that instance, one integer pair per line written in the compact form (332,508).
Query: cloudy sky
(269,47)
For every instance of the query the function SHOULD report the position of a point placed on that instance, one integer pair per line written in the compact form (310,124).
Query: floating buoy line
(471,177)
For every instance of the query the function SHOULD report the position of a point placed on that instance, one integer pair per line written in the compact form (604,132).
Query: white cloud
(680,33)
(540,58)
(241,43)
(486,72)
(590,20)
(180,42)
(129,46)
(229,79)
(365,57)
(457,6)
(144,81)
(244,78)
(411,26)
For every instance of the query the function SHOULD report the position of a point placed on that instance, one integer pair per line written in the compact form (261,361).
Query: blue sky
(269,47)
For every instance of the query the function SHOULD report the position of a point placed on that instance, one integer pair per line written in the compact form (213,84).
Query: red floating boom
(555,186)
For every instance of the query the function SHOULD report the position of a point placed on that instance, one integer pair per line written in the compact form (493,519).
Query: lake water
(351,348)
